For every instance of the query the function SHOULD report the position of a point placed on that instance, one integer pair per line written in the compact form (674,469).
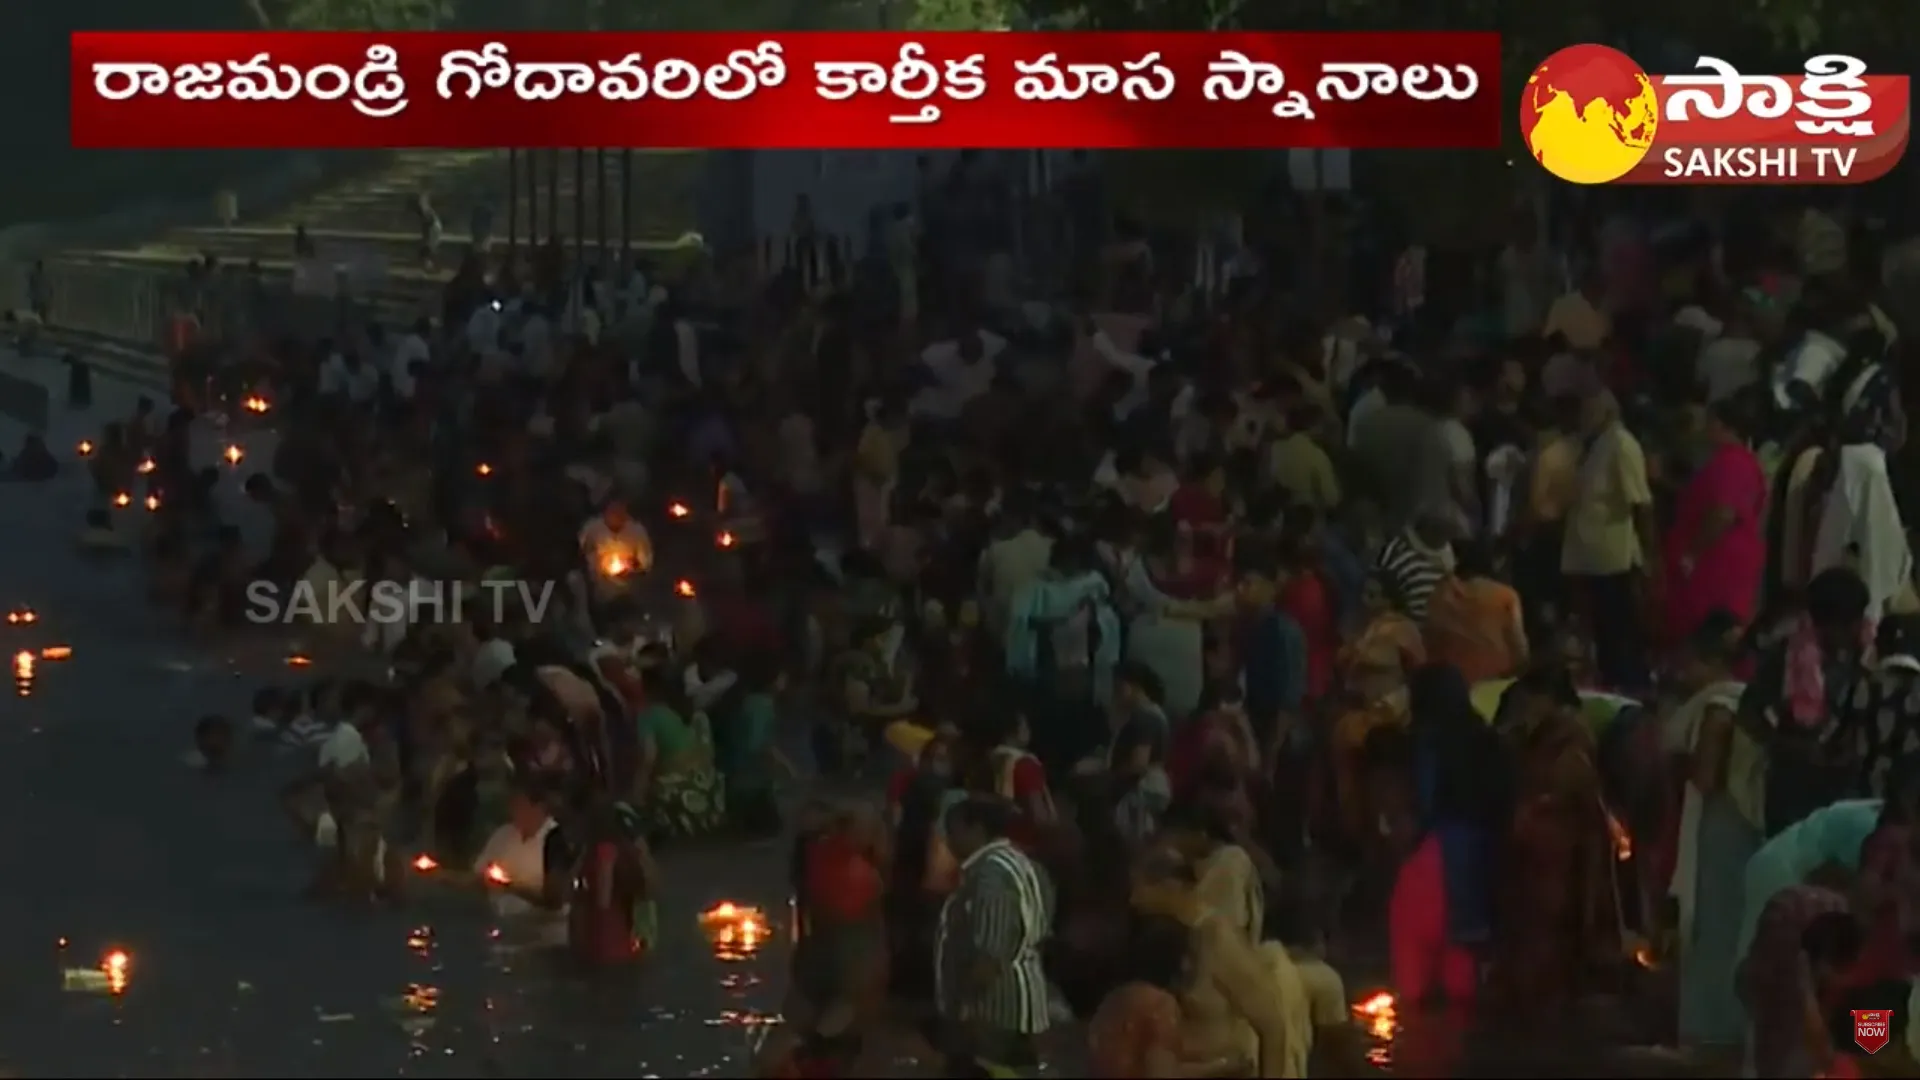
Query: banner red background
(790,115)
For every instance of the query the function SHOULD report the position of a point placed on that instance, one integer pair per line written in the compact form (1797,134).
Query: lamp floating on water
(1378,1015)
(685,588)
(426,864)
(483,469)
(146,466)
(23,664)
(679,510)
(299,660)
(256,405)
(22,616)
(85,449)
(725,540)
(153,503)
(233,454)
(57,652)
(736,931)
(122,500)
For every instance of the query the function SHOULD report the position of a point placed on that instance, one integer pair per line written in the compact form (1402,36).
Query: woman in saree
(1718,832)
(677,781)
(1136,1034)
(1850,857)
(840,966)
(1440,907)
(1561,920)
(611,917)
(1231,896)
(1373,670)
(1474,621)
(1716,549)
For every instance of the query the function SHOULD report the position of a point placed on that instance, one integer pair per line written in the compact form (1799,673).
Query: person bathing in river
(520,864)
(611,911)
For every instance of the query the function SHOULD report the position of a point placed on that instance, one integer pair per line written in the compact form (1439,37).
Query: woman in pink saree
(1716,547)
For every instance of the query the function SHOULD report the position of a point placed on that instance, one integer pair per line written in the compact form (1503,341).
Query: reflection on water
(1377,1014)
(23,664)
(736,932)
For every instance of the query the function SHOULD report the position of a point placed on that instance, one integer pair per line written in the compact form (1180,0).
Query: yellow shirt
(1585,326)
(1555,468)
(1611,486)
(1302,467)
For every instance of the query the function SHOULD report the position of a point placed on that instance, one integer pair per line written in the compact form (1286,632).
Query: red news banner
(1831,123)
(785,90)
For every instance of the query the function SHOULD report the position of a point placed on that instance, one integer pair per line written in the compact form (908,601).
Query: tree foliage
(351,14)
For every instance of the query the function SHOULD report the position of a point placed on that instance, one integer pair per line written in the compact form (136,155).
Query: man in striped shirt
(990,989)
(1414,561)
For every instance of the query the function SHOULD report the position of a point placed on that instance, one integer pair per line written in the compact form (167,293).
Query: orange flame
(679,510)
(22,617)
(153,502)
(57,652)
(146,466)
(726,540)
(683,587)
(116,965)
(497,874)
(1622,840)
(233,454)
(123,500)
(85,449)
(426,864)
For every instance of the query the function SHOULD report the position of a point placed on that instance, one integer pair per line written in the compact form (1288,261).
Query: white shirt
(483,328)
(956,382)
(524,858)
(490,661)
(632,542)
(345,748)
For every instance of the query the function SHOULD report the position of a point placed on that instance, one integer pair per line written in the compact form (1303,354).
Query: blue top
(1275,664)
(1833,834)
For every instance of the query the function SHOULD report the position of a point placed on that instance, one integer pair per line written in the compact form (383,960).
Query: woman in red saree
(1560,922)
(1716,549)
(611,918)
(839,981)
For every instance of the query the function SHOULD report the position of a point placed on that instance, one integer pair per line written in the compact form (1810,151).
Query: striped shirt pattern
(1414,574)
(1002,911)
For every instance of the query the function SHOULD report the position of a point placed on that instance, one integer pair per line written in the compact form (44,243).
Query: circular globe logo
(1589,114)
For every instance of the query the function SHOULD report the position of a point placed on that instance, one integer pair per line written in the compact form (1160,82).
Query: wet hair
(1158,950)
(1837,597)
(992,816)
(1717,639)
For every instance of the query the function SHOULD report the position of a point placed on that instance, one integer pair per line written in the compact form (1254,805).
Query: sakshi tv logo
(1591,115)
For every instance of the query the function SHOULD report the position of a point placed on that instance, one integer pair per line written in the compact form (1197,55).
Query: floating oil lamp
(298,660)
(496,874)
(116,965)
(426,864)
(122,500)
(679,510)
(685,588)
(57,652)
(725,540)
(153,503)
(1378,1015)
(483,469)
(22,616)
(255,404)
(85,449)
(23,664)
(420,938)
(233,454)
(736,930)
(146,466)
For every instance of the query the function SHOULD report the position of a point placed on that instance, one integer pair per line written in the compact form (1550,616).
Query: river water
(117,844)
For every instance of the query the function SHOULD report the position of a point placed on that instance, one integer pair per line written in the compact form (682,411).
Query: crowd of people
(1544,636)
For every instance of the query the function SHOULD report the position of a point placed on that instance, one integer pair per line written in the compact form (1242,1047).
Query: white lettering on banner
(467,73)
(257,79)
(1351,82)
(1234,77)
(1834,91)
(913,78)
(1042,79)
(1841,160)
(1380,79)
(1147,79)
(119,82)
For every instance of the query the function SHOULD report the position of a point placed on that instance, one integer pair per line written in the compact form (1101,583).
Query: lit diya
(256,405)
(685,588)
(233,454)
(57,652)
(85,449)
(496,874)
(679,510)
(1622,839)
(153,503)
(615,564)
(22,616)
(299,660)
(146,466)
(725,540)
(426,864)
(483,469)
(736,930)
(116,965)
(123,500)
(1379,1015)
